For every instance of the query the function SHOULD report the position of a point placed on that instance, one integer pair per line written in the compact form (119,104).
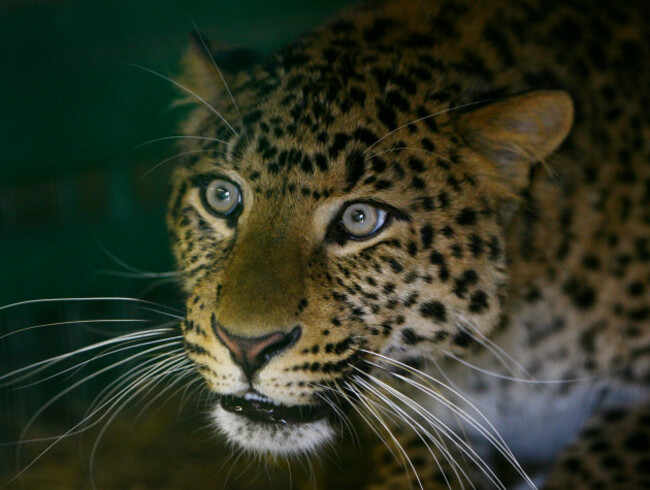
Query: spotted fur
(499,250)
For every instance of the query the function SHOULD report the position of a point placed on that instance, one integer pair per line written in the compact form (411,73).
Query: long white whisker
(130,268)
(523,380)
(54,360)
(497,351)
(169,276)
(73,322)
(417,429)
(340,392)
(181,368)
(381,421)
(458,442)
(72,429)
(154,310)
(105,298)
(429,116)
(185,396)
(149,379)
(122,380)
(345,420)
(177,137)
(493,435)
(189,91)
(86,379)
(223,80)
(368,422)
(178,155)
(113,350)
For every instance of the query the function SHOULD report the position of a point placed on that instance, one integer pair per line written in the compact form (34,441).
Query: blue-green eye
(361,219)
(222,197)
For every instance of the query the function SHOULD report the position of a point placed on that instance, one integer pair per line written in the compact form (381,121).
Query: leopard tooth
(257,397)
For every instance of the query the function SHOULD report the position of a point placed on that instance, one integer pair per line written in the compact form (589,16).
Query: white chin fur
(284,440)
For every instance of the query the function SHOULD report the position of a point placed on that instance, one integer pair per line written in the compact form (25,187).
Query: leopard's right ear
(515,132)
(208,66)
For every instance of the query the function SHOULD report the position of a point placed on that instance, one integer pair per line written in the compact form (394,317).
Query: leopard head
(337,217)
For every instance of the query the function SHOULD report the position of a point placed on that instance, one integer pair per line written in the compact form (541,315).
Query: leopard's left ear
(207,66)
(519,130)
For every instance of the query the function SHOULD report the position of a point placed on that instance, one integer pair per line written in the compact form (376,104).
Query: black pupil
(358,216)
(223,194)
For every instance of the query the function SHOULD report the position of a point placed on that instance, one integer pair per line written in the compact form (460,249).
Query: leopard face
(340,214)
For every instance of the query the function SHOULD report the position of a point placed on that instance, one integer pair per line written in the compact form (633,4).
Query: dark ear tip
(197,40)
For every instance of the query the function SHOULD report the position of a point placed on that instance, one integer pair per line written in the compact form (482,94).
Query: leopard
(430,219)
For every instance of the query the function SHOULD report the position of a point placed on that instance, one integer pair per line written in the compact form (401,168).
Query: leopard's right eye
(222,198)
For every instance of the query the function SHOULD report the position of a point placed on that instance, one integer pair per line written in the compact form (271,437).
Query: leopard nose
(251,353)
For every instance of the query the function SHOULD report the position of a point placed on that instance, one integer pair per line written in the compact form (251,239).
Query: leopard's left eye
(361,220)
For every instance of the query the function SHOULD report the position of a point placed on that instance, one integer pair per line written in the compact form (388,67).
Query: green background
(72,191)
(71,111)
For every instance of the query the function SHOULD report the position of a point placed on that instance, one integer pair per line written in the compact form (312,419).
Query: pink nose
(251,353)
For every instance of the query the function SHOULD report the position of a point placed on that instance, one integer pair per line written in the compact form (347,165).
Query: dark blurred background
(76,211)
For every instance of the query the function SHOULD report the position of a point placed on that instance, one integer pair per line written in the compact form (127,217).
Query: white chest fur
(535,414)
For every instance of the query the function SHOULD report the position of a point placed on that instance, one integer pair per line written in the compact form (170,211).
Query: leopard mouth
(259,408)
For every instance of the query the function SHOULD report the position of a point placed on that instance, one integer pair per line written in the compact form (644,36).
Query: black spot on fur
(478,302)
(354,168)
(466,217)
(434,309)
(426,236)
(581,293)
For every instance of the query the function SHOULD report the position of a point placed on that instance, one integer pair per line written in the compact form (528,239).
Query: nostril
(251,353)
(287,341)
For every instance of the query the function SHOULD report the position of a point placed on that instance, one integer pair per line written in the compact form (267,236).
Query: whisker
(177,137)
(105,298)
(497,351)
(463,446)
(108,352)
(86,379)
(154,310)
(73,322)
(126,377)
(429,116)
(181,369)
(523,380)
(451,383)
(173,276)
(223,79)
(136,272)
(141,368)
(381,421)
(53,360)
(340,392)
(178,155)
(492,436)
(189,91)
(368,422)
(417,428)
(150,380)
(70,431)
(185,397)
(343,418)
